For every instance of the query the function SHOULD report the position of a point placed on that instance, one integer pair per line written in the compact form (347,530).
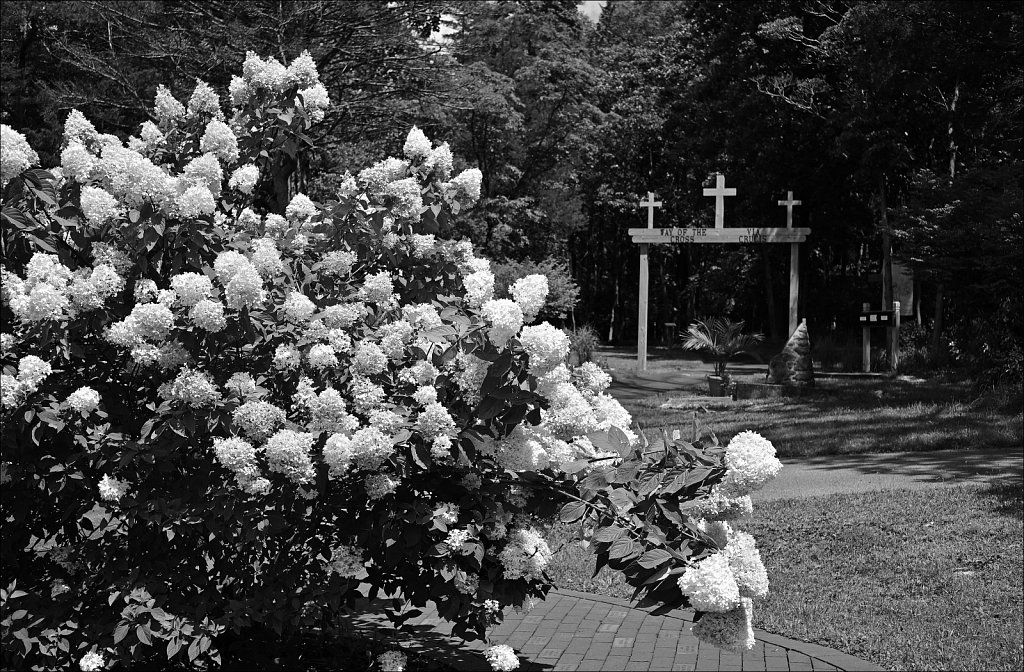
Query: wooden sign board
(710,235)
(879,317)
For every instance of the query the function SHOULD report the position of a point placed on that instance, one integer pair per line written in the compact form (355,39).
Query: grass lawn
(923,580)
(847,415)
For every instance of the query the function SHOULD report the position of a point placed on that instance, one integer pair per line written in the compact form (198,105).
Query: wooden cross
(719,192)
(789,203)
(650,204)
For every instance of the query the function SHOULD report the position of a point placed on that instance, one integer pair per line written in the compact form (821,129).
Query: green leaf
(609,534)
(120,632)
(142,632)
(622,548)
(173,647)
(572,512)
(654,558)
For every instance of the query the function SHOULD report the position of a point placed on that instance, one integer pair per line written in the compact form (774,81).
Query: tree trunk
(773,327)
(937,321)
(883,215)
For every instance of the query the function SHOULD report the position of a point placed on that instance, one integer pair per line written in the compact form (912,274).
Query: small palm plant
(720,339)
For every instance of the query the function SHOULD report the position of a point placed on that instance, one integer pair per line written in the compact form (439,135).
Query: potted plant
(720,339)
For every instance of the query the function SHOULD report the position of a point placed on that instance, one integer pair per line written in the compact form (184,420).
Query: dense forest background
(897,124)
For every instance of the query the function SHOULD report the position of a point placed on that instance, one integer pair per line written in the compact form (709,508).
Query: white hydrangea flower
(440,162)
(338,262)
(448,513)
(241,383)
(239,456)
(287,453)
(525,556)
(422,244)
(718,530)
(322,356)
(502,658)
(218,139)
(270,74)
(479,287)
(417,146)
(338,454)
(298,308)
(112,489)
(408,201)
(346,561)
(315,99)
(78,129)
(91,662)
(204,170)
(302,71)
(747,566)
(530,293)
(84,400)
(456,538)
(266,258)
(467,186)
(370,447)
(434,421)
(191,387)
(730,631)
(378,288)
(98,205)
(204,100)
(287,357)
(750,463)
(711,585)
(546,346)
(77,162)
(244,178)
(16,155)
(167,108)
(300,209)
(191,288)
(505,319)
(258,419)
(208,315)
(392,661)
(380,174)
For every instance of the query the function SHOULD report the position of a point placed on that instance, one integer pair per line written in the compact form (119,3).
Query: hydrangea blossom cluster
(112,489)
(502,658)
(392,661)
(525,556)
(16,155)
(84,400)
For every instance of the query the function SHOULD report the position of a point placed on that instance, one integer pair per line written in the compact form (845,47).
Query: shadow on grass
(1009,495)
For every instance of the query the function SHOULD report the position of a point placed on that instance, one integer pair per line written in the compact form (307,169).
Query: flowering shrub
(216,419)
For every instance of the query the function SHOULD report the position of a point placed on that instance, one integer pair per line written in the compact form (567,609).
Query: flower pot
(719,386)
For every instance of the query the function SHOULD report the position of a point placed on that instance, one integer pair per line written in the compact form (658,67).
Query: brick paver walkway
(579,631)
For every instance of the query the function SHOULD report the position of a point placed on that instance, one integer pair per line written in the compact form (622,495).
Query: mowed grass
(924,580)
(846,416)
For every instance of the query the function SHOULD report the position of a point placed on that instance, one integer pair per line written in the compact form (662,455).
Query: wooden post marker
(641,325)
(719,192)
(648,236)
(794,264)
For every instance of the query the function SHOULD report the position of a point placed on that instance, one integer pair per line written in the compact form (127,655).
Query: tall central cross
(789,203)
(650,204)
(719,192)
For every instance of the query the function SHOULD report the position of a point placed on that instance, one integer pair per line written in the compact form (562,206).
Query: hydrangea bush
(219,421)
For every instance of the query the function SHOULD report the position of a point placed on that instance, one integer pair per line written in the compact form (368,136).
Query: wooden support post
(794,266)
(794,286)
(641,325)
(866,343)
(894,338)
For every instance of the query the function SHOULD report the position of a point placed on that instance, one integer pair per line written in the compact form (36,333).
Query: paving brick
(686,648)
(561,637)
(660,665)
(617,614)
(614,662)
(597,651)
(580,646)
(634,665)
(608,627)
(623,642)
(647,638)
(641,653)
(565,667)
(802,667)
(604,637)
(776,663)
(822,666)
(550,653)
